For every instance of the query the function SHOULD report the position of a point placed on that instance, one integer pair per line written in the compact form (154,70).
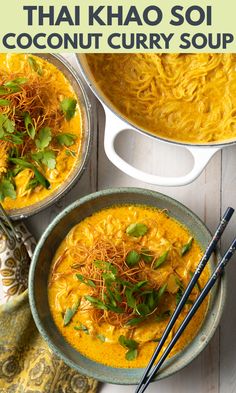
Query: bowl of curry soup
(182,99)
(106,277)
(44,131)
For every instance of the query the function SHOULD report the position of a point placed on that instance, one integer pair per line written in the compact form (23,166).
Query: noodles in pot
(182,97)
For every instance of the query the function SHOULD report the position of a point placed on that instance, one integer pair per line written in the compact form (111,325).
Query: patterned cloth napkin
(27,365)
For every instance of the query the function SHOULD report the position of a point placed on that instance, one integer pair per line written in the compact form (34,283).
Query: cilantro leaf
(7,189)
(127,342)
(44,138)
(131,354)
(66,139)
(131,345)
(137,230)
(6,125)
(131,301)
(46,157)
(41,179)
(68,107)
(132,258)
(161,291)
(107,266)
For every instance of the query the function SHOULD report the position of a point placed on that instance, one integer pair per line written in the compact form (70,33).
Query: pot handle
(114,126)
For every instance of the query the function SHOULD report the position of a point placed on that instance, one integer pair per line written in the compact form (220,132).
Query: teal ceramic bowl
(39,272)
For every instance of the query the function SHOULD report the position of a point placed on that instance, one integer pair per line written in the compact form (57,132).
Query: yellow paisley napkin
(27,365)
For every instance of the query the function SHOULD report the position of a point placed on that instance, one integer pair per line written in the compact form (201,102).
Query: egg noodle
(182,97)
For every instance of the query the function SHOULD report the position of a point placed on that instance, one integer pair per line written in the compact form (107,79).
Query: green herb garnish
(131,354)
(137,230)
(135,321)
(35,66)
(187,247)
(46,157)
(161,259)
(132,258)
(4,102)
(131,345)
(38,175)
(68,107)
(70,312)
(44,138)
(146,255)
(29,125)
(85,281)
(66,139)
(82,327)
(7,189)
(96,302)
(6,126)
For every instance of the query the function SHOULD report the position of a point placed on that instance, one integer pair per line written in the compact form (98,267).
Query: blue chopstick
(214,277)
(211,247)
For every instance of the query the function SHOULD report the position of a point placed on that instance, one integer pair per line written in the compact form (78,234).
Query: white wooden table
(214,371)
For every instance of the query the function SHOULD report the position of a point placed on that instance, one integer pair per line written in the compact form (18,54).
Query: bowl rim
(18,214)
(43,332)
(107,103)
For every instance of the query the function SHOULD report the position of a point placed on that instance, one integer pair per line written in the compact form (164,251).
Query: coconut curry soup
(115,280)
(40,129)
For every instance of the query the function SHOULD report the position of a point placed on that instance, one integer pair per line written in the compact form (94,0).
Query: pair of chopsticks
(6,226)
(149,371)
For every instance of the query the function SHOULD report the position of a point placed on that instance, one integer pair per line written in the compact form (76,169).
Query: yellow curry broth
(58,88)
(65,289)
